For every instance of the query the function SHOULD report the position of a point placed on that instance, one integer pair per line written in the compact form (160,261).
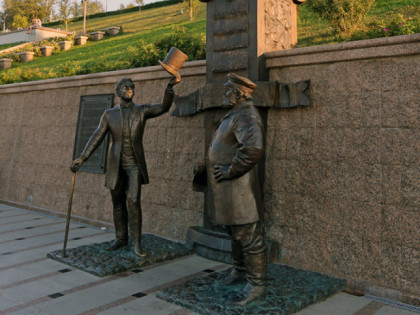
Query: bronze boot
(135,222)
(120,224)
(238,272)
(117,243)
(256,273)
(250,293)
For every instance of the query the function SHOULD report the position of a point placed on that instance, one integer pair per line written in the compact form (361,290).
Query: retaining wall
(342,176)
(37,135)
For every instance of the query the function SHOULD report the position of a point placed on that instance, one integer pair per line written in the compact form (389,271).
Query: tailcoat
(111,122)
(238,142)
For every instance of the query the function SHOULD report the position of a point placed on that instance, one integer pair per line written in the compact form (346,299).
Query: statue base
(217,246)
(95,259)
(289,290)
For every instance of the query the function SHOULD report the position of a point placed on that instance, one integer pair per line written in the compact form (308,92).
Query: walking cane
(66,235)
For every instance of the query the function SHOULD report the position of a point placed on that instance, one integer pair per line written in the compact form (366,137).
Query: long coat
(111,121)
(238,142)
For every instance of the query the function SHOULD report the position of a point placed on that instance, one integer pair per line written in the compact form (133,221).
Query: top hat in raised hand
(173,61)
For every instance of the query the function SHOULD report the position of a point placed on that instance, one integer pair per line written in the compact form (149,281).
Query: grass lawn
(150,26)
(134,22)
(5,46)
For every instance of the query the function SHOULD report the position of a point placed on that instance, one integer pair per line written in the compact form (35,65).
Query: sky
(112,4)
(115,4)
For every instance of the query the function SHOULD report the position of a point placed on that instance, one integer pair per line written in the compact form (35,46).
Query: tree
(140,3)
(30,9)
(76,9)
(64,8)
(20,21)
(94,6)
(3,17)
(191,8)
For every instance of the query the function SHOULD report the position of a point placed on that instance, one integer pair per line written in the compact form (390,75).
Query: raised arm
(159,109)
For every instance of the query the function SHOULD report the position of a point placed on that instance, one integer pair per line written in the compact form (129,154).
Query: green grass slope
(149,26)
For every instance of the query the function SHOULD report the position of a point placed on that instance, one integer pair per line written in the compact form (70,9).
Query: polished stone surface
(289,290)
(95,259)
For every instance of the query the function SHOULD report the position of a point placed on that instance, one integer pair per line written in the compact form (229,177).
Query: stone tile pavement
(30,283)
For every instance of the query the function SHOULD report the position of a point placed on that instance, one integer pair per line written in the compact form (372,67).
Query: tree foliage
(345,15)
(191,8)
(140,3)
(64,11)
(94,6)
(20,21)
(29,9)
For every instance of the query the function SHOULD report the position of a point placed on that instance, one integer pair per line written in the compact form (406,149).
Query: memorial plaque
(90,111)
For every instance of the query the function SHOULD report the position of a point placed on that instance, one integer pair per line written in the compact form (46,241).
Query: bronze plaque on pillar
(91,109)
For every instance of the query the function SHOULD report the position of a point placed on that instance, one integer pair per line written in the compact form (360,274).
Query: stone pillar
(240,31)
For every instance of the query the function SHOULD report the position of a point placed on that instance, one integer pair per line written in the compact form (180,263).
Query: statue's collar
(127,105)
(239,107)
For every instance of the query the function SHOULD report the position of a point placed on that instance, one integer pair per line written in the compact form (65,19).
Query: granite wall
(37,133)
(343,175)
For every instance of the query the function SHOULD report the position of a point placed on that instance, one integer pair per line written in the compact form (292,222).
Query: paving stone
(341,303)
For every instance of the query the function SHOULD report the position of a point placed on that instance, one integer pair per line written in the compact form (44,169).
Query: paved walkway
(30,283)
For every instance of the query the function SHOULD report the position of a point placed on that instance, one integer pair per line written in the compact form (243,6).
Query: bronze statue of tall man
(126,164)
(236,148)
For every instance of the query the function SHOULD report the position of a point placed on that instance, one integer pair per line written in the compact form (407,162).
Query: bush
(194,46)
(345,15)
(20,75)
(397,26)
(144,54)
(70,68)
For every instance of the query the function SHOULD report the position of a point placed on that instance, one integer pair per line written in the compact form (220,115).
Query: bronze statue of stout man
(236,147)
(126,164)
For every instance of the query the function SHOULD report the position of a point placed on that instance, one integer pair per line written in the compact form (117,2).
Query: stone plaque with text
(90,111)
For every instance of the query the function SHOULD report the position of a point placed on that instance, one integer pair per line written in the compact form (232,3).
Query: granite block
(236,8)
(410,261)
(410,186)
(390,110)
(410,152)
(391,184)
(409,109)
(391,265)
(240,23)
(363,110)
(360,145)
(390,146)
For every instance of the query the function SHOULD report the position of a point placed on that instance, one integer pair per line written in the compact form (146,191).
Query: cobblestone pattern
(342,180)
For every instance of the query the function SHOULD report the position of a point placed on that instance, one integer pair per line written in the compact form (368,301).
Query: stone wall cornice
(191,68)
(358,50)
